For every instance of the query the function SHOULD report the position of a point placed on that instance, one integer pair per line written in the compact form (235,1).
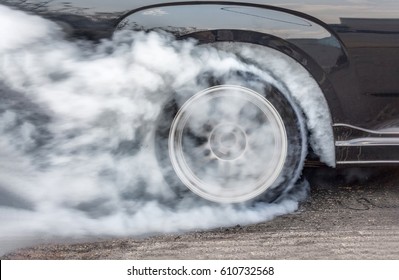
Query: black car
(325,76)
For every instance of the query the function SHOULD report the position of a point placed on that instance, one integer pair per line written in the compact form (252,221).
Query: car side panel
(350,47)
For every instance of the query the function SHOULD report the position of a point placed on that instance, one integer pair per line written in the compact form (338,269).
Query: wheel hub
(228,141)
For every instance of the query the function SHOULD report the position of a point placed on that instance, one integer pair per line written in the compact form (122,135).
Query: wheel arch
(309,41)
(283,46)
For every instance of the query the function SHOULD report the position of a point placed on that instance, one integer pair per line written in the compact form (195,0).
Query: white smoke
(77,122)
(302,88)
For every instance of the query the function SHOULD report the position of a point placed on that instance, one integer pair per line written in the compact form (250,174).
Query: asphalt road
(350,215)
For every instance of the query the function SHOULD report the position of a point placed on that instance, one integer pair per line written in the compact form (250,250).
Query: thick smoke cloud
(77,123)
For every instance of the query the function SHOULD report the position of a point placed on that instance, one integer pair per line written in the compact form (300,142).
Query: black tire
(289,167)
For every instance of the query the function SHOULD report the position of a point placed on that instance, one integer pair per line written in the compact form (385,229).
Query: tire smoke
(77,124)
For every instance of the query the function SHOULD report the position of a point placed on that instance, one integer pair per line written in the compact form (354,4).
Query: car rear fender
(306,39)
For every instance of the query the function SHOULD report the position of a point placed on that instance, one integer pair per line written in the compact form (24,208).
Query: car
(324,79)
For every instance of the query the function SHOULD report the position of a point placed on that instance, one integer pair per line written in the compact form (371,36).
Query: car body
(350,48)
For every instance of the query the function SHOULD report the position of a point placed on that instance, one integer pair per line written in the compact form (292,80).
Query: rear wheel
(233,142)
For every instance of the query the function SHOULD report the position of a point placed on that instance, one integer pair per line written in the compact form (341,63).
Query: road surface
(347,216)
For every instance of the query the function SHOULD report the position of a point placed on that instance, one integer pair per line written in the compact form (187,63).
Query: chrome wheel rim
(228,144)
